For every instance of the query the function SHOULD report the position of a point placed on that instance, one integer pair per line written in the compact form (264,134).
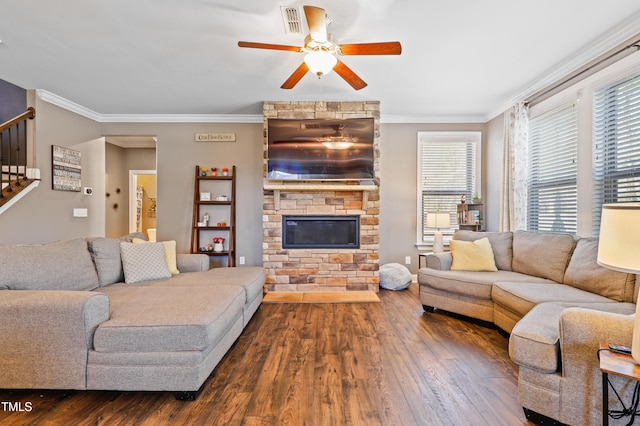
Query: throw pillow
(501,243)
(143,262)
(169,254)
(472,255)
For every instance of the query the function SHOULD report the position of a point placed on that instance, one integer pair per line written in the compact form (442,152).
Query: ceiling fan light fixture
(320,62)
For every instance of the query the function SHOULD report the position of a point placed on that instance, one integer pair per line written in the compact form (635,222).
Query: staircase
(16,178)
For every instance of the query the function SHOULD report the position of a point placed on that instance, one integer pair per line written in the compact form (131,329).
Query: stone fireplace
(318,266)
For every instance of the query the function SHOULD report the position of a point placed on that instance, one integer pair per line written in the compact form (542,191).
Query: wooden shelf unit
(206,184)
(463,215)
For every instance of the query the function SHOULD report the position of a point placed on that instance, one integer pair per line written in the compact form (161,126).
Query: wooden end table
(618,364)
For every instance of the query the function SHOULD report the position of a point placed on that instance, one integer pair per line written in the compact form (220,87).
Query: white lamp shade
(618,248)
(619,245)
(320,62)
(438,220)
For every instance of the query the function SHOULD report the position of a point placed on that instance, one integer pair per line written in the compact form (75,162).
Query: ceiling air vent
(291,18)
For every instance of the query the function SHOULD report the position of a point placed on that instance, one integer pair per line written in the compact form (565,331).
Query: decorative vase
(217,247)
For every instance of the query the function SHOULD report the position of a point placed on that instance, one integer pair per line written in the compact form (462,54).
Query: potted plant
(218,244)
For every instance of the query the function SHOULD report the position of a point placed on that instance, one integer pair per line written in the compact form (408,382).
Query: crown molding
(591,51)
(430,119)
(224,118)
(61,102)
(181,118)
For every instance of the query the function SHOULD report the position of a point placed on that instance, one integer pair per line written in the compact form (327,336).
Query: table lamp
(437,221)
(619,249)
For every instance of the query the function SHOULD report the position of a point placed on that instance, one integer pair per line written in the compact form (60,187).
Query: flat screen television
(310,149)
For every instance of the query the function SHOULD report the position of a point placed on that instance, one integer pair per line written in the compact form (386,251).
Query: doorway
(143,202)
(129,159)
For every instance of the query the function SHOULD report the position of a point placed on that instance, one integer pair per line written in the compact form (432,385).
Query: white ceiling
(464,60)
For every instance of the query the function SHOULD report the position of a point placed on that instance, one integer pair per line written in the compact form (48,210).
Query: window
(448,166)
(616,150)
(552,176)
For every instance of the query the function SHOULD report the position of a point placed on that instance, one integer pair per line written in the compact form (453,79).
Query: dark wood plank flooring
(383,363)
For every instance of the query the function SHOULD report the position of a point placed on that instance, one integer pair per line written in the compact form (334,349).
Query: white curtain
(513,211)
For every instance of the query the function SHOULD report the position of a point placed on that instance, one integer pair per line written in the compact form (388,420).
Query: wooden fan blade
(317,23)
(386,48)
(349,76)
(295,77)
(269,46)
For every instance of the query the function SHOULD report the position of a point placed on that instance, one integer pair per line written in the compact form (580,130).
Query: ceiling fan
(321,51)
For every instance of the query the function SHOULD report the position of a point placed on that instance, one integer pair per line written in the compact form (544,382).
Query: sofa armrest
(581,332)
(441,261)
(47,336)
(192,262)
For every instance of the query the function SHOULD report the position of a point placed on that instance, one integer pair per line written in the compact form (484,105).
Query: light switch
(80,213)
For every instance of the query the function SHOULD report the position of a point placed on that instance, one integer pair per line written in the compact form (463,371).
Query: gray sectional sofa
(70,321)
(557,304)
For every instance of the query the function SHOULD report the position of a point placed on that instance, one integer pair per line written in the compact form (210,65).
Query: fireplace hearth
(328,232)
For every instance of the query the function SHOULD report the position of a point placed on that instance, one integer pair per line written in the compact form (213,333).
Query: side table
(423,256)
(618,364)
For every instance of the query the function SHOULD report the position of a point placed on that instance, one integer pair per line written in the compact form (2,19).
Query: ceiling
(466,60)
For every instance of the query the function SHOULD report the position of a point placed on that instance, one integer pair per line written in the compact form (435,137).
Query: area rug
(321,297)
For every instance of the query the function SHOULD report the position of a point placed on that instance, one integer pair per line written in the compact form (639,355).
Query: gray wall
(492,158)
(398,188)
(177,156)
(45,215)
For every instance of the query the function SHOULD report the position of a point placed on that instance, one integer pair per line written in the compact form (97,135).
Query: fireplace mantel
(276,187)
(271,185)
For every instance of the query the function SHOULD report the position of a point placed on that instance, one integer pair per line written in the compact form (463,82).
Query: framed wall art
(66,169)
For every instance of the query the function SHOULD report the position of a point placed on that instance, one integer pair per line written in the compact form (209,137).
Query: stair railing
(13,150)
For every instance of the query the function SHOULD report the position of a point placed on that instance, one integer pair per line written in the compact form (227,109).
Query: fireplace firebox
(320,232)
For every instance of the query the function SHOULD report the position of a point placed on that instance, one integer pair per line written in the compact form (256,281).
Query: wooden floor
(383,363)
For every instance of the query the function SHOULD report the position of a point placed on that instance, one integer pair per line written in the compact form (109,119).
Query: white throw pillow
(143,262)
(169,253)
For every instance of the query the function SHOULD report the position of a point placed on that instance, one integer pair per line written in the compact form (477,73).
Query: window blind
(447,170)
(616,138)
(552,175)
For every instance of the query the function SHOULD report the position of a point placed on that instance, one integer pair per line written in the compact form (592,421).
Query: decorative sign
(65,169)
(215,137)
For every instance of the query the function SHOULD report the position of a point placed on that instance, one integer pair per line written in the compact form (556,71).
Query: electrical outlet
(407,260)
(242,260)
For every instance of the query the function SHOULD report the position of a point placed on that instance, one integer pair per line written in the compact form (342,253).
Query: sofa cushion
(584,273)
(61,265)
(250,278)
(165,319)
(472,256)
(540,254)
(521,297)
(106,257)
(534,341)
(473,284)
(143,262)
(501,244)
